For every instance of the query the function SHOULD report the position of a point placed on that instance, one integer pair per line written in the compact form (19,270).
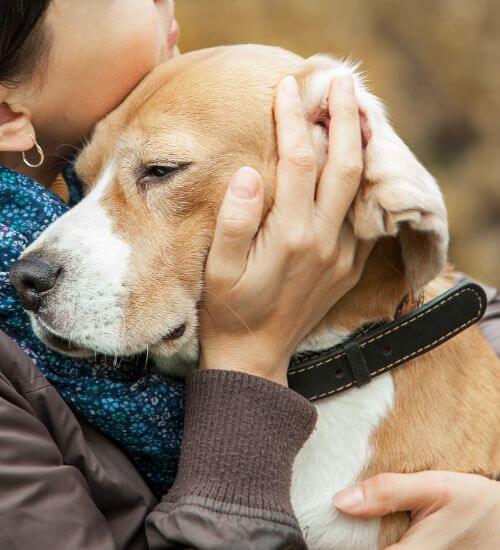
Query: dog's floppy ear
(398,196)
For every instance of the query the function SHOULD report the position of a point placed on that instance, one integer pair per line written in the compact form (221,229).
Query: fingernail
(245,183)
(290,87)
(349,499)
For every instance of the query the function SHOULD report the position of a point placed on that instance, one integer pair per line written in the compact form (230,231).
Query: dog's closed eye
(158,174)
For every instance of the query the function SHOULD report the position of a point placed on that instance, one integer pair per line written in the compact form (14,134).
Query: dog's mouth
(171,342)
(66,346)
(175,334)
(57,342)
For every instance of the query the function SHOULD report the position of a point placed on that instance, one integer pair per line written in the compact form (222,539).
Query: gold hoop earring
(39,150)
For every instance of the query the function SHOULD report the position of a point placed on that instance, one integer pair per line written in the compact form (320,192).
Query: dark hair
(24,40)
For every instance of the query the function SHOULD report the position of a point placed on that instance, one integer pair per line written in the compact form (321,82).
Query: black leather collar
(321,374)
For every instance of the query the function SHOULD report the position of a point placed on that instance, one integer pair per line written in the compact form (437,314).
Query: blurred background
(436,65)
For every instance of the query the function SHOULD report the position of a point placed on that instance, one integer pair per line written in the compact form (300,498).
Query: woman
(64,64)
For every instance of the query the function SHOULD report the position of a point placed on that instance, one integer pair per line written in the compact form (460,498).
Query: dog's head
(122,272)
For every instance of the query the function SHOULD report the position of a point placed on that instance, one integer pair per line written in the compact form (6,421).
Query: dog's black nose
(32,277)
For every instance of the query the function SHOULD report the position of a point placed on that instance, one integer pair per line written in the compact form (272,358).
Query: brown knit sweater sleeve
(241,436)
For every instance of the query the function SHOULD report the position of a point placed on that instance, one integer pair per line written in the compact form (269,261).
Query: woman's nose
(33,277)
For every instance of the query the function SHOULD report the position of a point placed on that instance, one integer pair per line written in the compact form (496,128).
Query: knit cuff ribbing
(241,436)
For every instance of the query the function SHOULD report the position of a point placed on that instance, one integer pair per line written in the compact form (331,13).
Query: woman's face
(100,50)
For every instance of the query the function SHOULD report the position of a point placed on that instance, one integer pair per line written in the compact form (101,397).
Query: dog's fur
(133,253)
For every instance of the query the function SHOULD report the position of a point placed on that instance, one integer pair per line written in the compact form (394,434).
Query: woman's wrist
(257,361)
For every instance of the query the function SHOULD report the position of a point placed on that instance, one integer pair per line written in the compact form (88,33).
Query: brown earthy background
(436,64)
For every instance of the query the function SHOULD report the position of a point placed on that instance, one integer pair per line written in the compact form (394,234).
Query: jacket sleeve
(232,491)
(44,503)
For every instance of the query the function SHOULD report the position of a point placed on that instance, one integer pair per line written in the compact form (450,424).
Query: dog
(127,270)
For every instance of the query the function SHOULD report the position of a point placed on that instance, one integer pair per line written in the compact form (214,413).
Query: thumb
(388,493)
(237,224)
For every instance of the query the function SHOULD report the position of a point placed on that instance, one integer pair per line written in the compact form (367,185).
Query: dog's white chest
(332,459)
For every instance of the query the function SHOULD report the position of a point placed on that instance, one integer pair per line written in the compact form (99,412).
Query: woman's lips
(173,34)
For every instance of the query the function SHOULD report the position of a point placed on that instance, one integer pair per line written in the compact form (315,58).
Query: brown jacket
(65,486)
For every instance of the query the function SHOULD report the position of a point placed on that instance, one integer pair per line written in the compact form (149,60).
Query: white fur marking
(332,459)
(88,306)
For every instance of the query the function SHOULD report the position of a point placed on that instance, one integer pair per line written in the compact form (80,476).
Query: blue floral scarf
(141,411)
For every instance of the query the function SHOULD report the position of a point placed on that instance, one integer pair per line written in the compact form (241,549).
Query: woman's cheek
(87,79)
(134,58)
(116,77)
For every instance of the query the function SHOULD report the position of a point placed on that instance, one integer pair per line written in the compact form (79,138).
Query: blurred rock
(436,64)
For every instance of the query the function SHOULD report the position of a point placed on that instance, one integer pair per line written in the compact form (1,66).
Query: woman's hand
(267,287)
(448,510)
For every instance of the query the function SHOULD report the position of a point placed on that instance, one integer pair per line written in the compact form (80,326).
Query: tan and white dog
(130,261)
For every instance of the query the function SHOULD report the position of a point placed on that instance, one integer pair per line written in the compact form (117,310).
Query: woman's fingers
(387,493)
(297,166)
(470,503)
(237,223)
(341,176)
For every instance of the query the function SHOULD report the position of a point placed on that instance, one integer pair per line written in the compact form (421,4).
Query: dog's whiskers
(77,149)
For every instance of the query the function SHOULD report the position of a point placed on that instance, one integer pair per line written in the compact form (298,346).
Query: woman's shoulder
(17,369)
